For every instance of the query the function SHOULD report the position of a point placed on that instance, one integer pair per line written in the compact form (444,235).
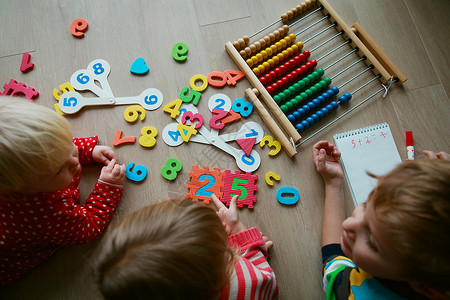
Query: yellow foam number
(65,87)
(194,80)
(131,114)
(269,176)
(271,143)
(186,131)
(173,108)
(148,138)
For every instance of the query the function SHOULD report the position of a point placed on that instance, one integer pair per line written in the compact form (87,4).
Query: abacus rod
(375,78)
(315,23)
(354,50)
(353,64)
(347,112)
(317,34)
(356,76)
(261,30)
(299,20)
(327,41)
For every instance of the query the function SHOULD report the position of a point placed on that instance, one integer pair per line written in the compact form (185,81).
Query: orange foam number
(78,27)
(118,140)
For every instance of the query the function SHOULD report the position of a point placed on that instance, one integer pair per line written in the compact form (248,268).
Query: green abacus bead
(309,93)
(302,84)
(289,105)
(311,77)
(304,96)
(297,87)
(307,81)
(299,98)
(294,102)
(328,80)
(282,96)
(287,92)
(284,108)
(313,89)
(316,75)
(292,90)
(321,71)
(318,86)
(322,84)
(277,99)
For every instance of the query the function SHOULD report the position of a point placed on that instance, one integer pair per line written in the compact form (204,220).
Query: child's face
(62,178)
(368,243)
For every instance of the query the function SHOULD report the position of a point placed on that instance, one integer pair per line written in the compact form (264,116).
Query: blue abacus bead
(296,115)
(310,120)
(330,93)
(321,99)
(306,108)
(315,117)
(301,111)
(311,105)
(334,104)
(342,99)
(326,96)
(305,124)
(320,114)
(291,118)
(316,102)
(325,111)
(335,90)
(348,96)
(300,127)
(329,107)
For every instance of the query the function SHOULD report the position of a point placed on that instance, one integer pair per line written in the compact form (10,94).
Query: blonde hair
(175,249)
(413,201)
(34,140)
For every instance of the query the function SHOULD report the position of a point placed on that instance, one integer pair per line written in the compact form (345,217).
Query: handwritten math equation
(368,139)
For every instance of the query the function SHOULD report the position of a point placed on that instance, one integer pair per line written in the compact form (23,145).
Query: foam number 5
(65,87)
(136,173)
(269,139)
(148,138)
(239,184)
(243,107)
(171,169)
(193,97)
(131,114)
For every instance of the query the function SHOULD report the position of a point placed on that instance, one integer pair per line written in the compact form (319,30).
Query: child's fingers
(233,204)
(110,166)
(217,202)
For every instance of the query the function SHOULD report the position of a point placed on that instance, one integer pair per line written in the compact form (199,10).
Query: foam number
(148,138)
(239,184)
(136,173)
(78,27)
(243,107)
(269,140)
(233,76)
(179,51)
(215,122)
(173,108)
(287,200)
(210,181)
(171,169)
(194,96)
(271,175)
(132,113)
(65,87)
(192,117)
(197,78)
(233,116)
(118,140)
(217,83)
(186,131)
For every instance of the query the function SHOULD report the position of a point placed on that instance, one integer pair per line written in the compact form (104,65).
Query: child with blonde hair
(396,244)
(40,166)
(179,249)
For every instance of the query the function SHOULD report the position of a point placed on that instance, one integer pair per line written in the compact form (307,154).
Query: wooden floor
(414,33)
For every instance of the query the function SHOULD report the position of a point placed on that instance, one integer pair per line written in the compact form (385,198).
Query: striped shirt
(252,278)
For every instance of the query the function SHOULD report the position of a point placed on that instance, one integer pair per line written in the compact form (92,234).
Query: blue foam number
(287,190)
(243,107)
(136,173)
(203,191)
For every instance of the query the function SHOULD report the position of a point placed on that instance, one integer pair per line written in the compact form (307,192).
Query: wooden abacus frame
(359,38)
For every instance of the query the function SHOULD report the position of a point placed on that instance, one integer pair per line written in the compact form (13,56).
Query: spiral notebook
(369,149)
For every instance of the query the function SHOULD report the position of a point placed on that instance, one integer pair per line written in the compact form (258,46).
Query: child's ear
(428,291)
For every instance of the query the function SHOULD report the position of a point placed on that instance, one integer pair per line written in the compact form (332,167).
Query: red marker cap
(409,138)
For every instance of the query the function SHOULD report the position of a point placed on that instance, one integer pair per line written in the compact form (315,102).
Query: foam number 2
(136,173)
(210,182)
(171,169)
(243,107)
(148,138)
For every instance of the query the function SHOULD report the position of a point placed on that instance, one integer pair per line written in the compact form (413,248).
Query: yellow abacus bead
(258,45)
(249,62)
(264,54)
(294,48)
(261,68)
(274,48)
(285,53)
(266,65)
(271,37)
(299,45)
(269,51)
(280,56)
(293,37)
(246,39)
(290,14)
(288,40)
(256,71)
(276,60)
(284,17)
(283,43)
(259,56)
(290,51)
(278,44)
(271,62)
(255,59)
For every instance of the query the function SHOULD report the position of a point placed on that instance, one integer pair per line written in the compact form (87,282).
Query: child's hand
(326,158)
(103,154)
(269,243)
(439,155)
(113,173)
(229,216)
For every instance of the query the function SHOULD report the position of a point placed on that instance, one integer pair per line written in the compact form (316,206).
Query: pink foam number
(26,65)
(246,144)
(14,88)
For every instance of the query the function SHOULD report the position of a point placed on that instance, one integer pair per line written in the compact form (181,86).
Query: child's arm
(326,158)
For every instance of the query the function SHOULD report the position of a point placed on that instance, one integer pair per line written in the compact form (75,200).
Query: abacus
(274,64)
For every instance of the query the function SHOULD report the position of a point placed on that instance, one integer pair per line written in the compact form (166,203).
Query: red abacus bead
(307,53)
(272,75)
(290,77)
(302,57)
(304,69)
(287,65)
(299,72)
(275,86)
(314,63)
(285,80)
(294,74)
(263,80)
(270,90)
(309,66)
(280,82)
(282,69)
(292,62)
(278,72)
(297,60)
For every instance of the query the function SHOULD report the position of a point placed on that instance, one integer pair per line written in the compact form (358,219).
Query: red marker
(409,145)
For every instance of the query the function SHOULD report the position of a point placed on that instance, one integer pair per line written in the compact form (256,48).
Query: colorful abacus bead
(345,98)
(317,116)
